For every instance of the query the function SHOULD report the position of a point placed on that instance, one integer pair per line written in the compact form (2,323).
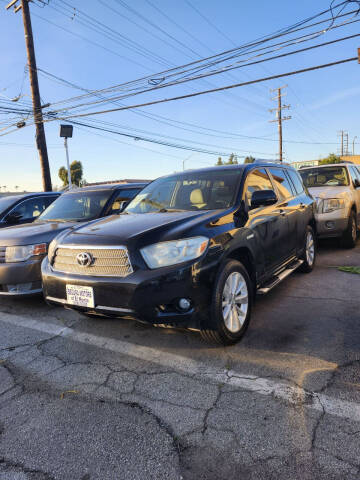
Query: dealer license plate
(80,296)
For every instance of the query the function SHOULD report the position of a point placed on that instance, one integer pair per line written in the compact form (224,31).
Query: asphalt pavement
(95,399)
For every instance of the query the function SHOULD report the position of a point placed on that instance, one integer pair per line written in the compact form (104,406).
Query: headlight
(51,250)
(170,253)
(24,252)
(331,204)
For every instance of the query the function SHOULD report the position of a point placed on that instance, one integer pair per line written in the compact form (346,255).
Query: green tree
(249,159)
(232,160)
(76,171)
(332,158)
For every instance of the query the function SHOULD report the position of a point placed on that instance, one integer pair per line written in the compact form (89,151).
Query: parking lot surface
(89,399)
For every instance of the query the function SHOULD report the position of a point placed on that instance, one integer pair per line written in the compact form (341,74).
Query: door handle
(282,212)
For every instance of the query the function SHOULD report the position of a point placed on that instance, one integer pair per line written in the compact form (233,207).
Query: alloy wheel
(235,302)
(353,229)
(310,248)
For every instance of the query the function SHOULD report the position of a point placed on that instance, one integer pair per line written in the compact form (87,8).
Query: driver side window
(256,180)
(27,210)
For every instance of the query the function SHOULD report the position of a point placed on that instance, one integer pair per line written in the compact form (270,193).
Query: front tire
(309,255)
(350,235)
(231,305)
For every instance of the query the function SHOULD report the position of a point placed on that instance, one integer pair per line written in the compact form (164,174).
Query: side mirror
(356,183)
(13,218)
(262,198)
(123,205)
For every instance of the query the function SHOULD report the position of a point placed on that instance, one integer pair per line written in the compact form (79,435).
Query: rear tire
(309,255)
(350,235)
(230,310)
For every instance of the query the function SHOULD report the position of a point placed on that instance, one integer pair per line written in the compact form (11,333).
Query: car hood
(31,233)
(329,192)
(142,229)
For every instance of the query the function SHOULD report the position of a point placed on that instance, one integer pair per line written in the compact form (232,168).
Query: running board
(279,278)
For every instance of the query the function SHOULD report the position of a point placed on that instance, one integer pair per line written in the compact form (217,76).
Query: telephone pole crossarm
(279,117)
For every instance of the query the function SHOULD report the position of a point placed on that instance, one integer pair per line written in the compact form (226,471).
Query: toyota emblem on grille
(84,259)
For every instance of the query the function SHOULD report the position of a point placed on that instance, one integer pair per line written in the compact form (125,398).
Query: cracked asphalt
(95,399)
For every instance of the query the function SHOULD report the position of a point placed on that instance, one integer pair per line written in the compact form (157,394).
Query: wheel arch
(244,255)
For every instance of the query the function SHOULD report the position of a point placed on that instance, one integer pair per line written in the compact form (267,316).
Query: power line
(227,87)
(242,84)
(149,78)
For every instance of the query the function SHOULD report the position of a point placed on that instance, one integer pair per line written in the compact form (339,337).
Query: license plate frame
(80,296)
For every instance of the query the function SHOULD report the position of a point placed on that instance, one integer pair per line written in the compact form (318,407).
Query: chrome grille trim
(108,261)
(2,254)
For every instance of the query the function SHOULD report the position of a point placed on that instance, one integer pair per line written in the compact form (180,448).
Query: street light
(66,132)
(354,145)
(185,159)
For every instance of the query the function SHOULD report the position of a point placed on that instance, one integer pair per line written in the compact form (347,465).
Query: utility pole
(344,145)
(34,84)
(279,117)
(353,150)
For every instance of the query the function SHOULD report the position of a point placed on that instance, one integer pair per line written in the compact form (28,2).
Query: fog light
(329,224)
(184,304)
(19,288)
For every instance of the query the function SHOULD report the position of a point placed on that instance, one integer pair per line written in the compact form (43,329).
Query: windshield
(207,190)
(76,206)
(325,177)
(6,202)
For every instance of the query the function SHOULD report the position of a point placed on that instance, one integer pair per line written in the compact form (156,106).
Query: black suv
(190,250)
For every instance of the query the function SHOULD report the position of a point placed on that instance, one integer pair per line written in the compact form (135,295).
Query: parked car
(23,247)
(24,208)
(336,189)
(190,250)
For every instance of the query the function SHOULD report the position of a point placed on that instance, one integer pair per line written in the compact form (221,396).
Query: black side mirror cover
(262,198)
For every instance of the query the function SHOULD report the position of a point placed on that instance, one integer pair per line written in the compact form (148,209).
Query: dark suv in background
(190,250)
(23,247)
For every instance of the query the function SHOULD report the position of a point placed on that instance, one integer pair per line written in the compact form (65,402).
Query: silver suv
(336,188)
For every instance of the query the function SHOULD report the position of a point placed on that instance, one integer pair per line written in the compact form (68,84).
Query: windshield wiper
(165,210)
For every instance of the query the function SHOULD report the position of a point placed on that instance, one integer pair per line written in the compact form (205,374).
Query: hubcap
(310,248)
(235,302)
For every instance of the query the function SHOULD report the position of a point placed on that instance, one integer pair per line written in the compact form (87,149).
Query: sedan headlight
(331,204)
(24,252)
(170,253)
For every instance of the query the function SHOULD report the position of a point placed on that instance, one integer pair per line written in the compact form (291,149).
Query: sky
(167,33)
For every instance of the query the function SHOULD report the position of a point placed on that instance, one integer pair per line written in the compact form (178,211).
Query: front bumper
(148,295)
(20,274)
(331,224)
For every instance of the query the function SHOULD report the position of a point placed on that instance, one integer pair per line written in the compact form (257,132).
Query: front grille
(2,254)
(106,261)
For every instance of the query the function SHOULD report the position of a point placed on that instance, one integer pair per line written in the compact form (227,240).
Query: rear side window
(354,173)
(282,182)
(256,180)
(123,196)
(296,180)
(30,208)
